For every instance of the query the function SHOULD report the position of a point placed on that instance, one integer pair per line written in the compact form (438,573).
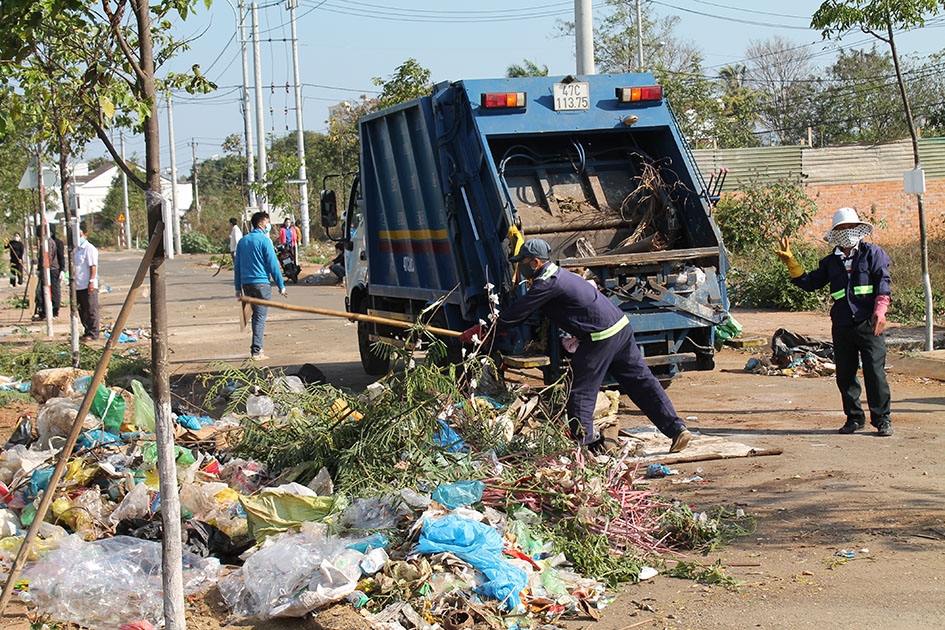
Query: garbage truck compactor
(451,184)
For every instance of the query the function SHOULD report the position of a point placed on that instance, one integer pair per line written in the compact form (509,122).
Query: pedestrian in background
(858,275)
(287,237)
(16,259)
(54,254)
(56,270)
(254,269)
(85,258)
(337,264)
(605,344)
(235,235)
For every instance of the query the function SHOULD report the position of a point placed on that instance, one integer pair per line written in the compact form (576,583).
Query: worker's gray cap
(533,248)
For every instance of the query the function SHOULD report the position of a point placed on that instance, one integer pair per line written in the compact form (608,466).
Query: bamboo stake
(355,317)
(97,377)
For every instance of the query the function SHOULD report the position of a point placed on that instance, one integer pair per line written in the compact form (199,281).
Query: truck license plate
(572,96)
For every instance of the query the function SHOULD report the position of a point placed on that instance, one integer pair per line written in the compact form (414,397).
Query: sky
(344,44)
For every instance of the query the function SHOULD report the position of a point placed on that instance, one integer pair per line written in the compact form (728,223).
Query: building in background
(90,189)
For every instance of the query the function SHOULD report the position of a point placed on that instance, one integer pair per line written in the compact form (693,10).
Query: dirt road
(882,498)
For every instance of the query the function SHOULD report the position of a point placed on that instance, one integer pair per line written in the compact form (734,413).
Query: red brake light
(638,94)
(502,100)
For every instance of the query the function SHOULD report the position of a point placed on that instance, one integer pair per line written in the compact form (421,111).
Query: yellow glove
(794,267)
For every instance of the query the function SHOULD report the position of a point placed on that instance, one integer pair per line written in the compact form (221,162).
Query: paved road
(203,320)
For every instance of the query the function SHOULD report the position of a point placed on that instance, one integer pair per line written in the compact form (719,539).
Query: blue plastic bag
(96,437)
(374,541)
(448,439)
(459,494)
(194,423)
(39,480)
(480,546)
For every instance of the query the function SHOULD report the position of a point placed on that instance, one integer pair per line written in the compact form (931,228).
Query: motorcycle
(290,269)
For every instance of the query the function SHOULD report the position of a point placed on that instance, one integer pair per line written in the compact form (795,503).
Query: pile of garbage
(438,495)
(794,355)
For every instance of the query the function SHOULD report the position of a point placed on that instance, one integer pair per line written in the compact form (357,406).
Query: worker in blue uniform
(605,344)
(858,275)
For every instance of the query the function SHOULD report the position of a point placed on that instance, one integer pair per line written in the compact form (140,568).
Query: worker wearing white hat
(858,275)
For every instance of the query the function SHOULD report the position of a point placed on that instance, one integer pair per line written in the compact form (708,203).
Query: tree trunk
(923,234)
(164,429)
(70,247)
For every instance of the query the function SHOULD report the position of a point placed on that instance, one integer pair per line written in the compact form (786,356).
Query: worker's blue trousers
(620,356)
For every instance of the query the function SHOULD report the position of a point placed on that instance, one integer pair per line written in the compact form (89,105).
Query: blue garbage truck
(449,186)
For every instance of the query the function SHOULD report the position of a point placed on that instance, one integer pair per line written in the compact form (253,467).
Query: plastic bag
(104,583)
(373,513)
(275,510)
(183,456)
(243,475)
(23,433)
(294,575)
(194,423)
(459,494)
(480,546)
(723,332)
(110,407)
(199,499)
(136,504)
(144,408)
(56,417)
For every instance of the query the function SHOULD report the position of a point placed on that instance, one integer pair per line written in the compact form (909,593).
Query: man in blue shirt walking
(253,268)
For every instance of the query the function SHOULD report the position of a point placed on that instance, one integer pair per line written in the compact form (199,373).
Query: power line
(731,19)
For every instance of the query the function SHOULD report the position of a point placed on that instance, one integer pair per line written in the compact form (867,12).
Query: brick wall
(893,213)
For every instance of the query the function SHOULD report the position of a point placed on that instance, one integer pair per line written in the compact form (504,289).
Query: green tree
(410,80)
(879,18)
(124,92)
(858,102)
(107,226)
(527,69)
(693,97)
(756,216)
(739,111)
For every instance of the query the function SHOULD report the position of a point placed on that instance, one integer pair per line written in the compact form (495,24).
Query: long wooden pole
(355,317)
(97,377)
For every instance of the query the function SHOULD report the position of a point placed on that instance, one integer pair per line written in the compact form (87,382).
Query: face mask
(526,271)
(16,238)
(849,238)
(81,241)
(268,228)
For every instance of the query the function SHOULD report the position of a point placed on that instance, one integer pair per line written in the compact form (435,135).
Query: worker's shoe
(260,357)
(884,429)
(851,426)
(681,441)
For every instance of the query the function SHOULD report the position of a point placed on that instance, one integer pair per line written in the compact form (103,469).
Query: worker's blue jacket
(571,302)
(255,261)
(854,295)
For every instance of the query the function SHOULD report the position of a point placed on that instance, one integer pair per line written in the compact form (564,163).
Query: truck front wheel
(373,364)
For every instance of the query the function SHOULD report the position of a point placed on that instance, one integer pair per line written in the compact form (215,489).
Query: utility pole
(172,223)
(584,37)
(303,177)
(639,38)
(193,152)
(260,122)
(124,194)
(247,112)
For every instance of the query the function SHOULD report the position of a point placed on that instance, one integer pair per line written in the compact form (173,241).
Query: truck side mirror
(329,207)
